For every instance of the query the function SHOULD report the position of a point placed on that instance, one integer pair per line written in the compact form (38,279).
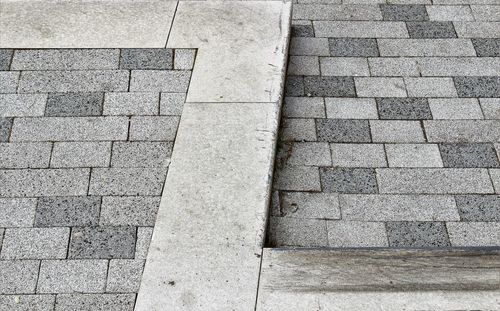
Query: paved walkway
(391,126)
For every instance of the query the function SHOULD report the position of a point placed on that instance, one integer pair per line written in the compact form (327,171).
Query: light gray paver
(463,130)
(35,243)
(142,244)
(28,302)
(356,234)
(297,231)
(430,87)
(486,12)
(159,80)
(456,108)
(304,107)
(477,29)
(153,128)
(303,65)
(116,103)
(351,108)
(395,131)
(18,276)
(298,130)
(310,205)
(491,108)
(8,81)
(141,154)
(426,47)
(474,233)
(413,155)
(65,59)
(184,58)
(336,12)
(126,181)
(495,178)
(81,154)
(394,67)
(124,276)
(449,13)
(343,66)
(358,155)
(25,155)
(298,178)
(172,103)
(380,87)
(460,66)
(129,211)
(309,46)
(95,302)
(69,276)
(360,29)
(309,154)
(22,105)
(17,212)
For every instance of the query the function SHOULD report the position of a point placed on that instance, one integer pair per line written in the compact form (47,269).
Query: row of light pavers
(391,127)
(85,145)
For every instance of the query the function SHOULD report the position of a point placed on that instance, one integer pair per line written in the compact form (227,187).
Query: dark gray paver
(74,104)
(294,86)
(5,58)
(478,207)
(404,12)
(348,180)
(469,155)
(67,211)
(102,242)
(5,128)
(477,86)
(417,234)
(329,86)
(431,30)
(343,131)
(95,302)
(146,59)
(404,108)
(302,31)
(353,47)
(487,47)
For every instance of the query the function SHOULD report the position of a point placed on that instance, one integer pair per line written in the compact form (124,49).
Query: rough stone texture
(74,104)
(97,302)
(478,207)
(417,234)
(18,276)
(67,211)
(35,243)
(146,59)
(102,242)
(124,275)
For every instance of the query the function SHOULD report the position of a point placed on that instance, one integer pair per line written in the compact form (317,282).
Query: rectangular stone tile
(303,65)
(81,154)
(18,276)
(343,131)
(142,244)
(373,207)
(22,105)
(70,129)
(491,107)
(286,231)
(477,29)
(449,13)
(478,207)
(294,86)
(309,46)
(477,86)
(141,154)
(127,181)
(9,81)
(336,12)
(308,154)
(28,302)
(95,302)
(162,128)
(67,211)
(184,59)
(146,59)
(69,276)
(417,234)
(65,59)
(159,80)
(35,243)
(329,86)
(486,12)
(102,242)
(462,130)
(464,2)
(430,87)
(434,181)
(171,104)
(348,180)
(455,108)
(74,104)
(44,182)
(304,107)
(309,205)
(380,87)
(5,128)
(403,108)
(487,47)
(408,12)
(124,276)
(344,66)
(305,30)
(426,47)
(360,29)
(474,233)
(395,131)
(297,178)
(394,66)
(5,59)
(129,211)
(460,66)
(431,30)
(495,178)
(413,155)
(351,108)
(356,234)
(358,155)
(469,155)
(73,81)
(298,130)
(19,212)
(353,47)
(25,155)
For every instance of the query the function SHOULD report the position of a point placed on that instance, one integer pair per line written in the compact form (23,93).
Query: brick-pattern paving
(390,126)
(85,142)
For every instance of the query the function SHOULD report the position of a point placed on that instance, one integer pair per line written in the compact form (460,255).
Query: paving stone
(394,131)
(351,108)
(8,81)
(348,180)
(408,12)
(297,178)
(74,104)
(303,65)
(426,47)
(353,47)
(160,80)
(434,181)
(81,154)
(28,302)
(329,86)
(403,108)
(73,81)
(308,154)
(25,155)
(474,233)
(131,103)
(35,243)
(356,234)
(478,207)
(127,181)
(298,130)
(67,211)
(141,154)
(430,87)
(360,29)
(309,46)
(487,47)
(65,59)
(304,107)
(286,231)
(417,234)
(374,207)
(358,155)
(302,31)
(44,182)
(477,86)
(455,108)
(495,178)
(413,155)
(456,131)
(486,12)
(124,276)
(491,107)
(18,276)
(469,155)
(17,212)
(5,128)
(449,13)
(184,59)
(294,86)
(129,211)
(394,66)
(344,66)
(309,205)
(142,244)
(5,59)
(460,66)
(95,302)
(335,12)
(431,30)
(477,29)
(102,242)
(146,59)
(70,129)
(162,128)
(343,131)
(171,104)
(22,105)
(69,276)
(380,87)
